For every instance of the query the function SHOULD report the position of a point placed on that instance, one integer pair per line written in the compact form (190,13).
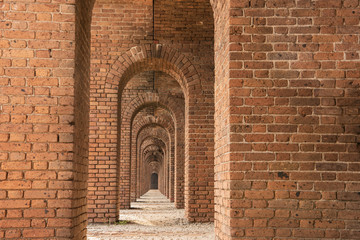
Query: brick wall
(140,123)
(222,154)
(286,114)
(117,29)
(153,136)
(42,171)
(288,73)
(81,118)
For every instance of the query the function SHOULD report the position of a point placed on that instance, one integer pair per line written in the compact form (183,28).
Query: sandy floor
(152,217)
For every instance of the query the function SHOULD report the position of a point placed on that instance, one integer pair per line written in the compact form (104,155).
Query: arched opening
(136,82)
(286,115)
(154,181)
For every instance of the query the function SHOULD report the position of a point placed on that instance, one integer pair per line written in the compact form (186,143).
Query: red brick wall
(81,118)
(43,145)
(222,154)
(141,122)
(286,114)
(134,102)
(290,80)
(157,137)
(116,28)
(111,22)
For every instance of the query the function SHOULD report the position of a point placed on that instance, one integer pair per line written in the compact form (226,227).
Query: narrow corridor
(152,217)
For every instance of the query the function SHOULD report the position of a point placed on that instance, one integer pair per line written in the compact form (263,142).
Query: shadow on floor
(152,216)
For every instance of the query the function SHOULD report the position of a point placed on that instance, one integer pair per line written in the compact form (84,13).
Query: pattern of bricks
(44,111)
(287,91)
(159,138)
(80,139)
(272,141)
(119,73)
(160,118)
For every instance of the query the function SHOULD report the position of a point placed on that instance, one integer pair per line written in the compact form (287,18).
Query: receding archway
(112,74)
(154,181)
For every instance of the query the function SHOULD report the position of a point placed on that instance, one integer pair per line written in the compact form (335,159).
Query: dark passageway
(154,181)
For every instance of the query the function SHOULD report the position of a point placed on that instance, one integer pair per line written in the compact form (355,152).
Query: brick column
(43,123)
(287,119)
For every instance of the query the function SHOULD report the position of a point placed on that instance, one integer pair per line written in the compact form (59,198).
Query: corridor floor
(152,217)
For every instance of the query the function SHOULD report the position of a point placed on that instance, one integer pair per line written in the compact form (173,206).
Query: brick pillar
(222,121)
(124,166)
(179,166)
(43,125)
(81,119)
(172,169)
(139,170)
(199,156)
(287,106)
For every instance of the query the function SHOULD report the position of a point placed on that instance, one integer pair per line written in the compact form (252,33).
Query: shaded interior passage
(152,216)
(151,106)
(154,181)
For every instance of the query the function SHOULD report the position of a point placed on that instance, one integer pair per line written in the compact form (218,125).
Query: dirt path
(152,217)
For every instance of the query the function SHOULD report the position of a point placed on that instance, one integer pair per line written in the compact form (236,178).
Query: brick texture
(248,111)
(287,116)
(44,118)
(141,123)
(125,58)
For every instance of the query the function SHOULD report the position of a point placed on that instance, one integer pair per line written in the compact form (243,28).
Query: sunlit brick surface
(248,111)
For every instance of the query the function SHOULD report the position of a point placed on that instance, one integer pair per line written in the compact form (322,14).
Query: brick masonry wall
(286,113)
(81,118)
(162,118)
(111,23)
(293,117)
(222,154)
(116,28)
(42,171)
(147,165)
(199,145)
(136,91)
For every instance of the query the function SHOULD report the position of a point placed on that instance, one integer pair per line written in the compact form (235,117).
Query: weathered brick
(32,233)
(293,89)
(15,223)
(8,204)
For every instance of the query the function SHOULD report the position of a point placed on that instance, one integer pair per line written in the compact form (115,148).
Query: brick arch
(128,114)
(148,137)
(172,157)
(153,129)
(152,134)
(154,146)
(152,158)
(151,144)
(140,102)
(152,99)
(212,2)
(165,121)
(199,111)
(152,57)
(177,144)
(153,149)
